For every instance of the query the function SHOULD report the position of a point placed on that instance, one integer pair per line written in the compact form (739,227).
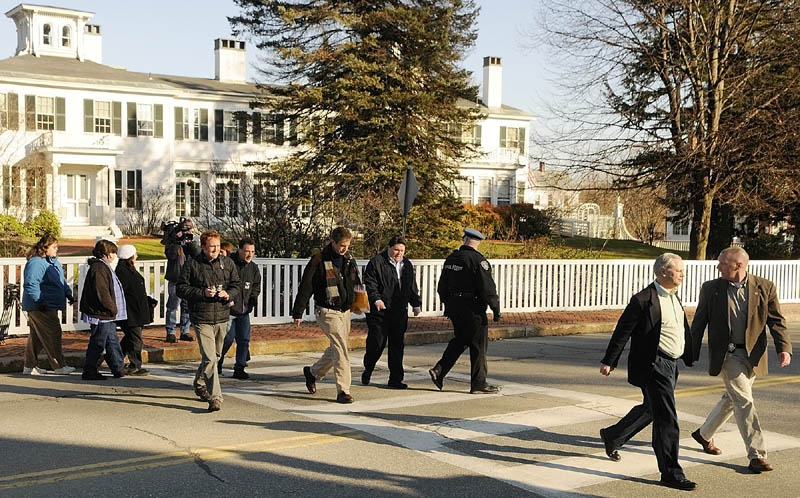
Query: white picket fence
(523,285)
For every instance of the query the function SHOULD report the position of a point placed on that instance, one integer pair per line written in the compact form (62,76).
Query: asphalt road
(60,436)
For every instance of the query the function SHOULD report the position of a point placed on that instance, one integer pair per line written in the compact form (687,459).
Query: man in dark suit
(655,323)
(737,308)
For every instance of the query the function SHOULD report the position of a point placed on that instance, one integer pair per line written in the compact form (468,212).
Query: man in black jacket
(178,245)
(331,277)
(239,323)
(655,323)
(210,284)
(391,286)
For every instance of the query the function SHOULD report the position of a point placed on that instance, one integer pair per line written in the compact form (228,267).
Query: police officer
(466,288)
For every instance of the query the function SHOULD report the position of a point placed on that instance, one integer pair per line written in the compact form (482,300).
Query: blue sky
(176,37)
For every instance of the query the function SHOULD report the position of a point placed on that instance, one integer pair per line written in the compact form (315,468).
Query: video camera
(177,231)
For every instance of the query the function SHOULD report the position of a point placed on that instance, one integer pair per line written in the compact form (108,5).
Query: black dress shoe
(681,483)
(397,385)
(118,375)
(311,382)
(187,338)
(172,339)
(611,451)
(436,377)
(92,376)
(139,372)
(487,389)
(239,373)
(366,375)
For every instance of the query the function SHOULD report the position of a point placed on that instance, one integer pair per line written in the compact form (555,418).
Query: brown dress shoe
(311,382)
(759,465)
(344,398)
(708,446)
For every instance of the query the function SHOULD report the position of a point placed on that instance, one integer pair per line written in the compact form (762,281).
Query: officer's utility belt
(463,294)
(733,347)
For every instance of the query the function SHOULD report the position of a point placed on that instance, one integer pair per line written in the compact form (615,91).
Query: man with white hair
(655,323)
(737,308)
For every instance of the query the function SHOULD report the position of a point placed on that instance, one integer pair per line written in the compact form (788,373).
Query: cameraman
(210,284)
(178,244)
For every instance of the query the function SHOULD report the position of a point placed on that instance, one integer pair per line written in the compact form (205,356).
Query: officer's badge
(485,265)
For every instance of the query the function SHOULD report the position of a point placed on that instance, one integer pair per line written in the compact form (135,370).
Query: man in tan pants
(737,309)
(330,276)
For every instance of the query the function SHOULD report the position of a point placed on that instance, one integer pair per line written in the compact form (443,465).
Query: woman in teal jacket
(44,294)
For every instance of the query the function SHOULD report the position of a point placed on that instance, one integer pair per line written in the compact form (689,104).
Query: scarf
(332,285)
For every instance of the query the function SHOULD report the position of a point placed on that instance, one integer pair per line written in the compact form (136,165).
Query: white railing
(672,245)
(523,285)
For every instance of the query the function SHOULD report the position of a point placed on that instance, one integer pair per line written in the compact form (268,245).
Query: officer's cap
(473,234)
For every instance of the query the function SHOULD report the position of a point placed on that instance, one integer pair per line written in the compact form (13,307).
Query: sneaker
(92,376)
(32,371)
(239,373)
(187,338)
(172,339)
(344,398)
(214,405)
(65,370)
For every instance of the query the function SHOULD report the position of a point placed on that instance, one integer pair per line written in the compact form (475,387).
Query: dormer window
(46,34)
(65,36)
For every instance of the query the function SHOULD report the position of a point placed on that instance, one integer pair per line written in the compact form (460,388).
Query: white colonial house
(85,139)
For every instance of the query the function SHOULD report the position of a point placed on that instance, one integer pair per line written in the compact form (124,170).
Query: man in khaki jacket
(738,308)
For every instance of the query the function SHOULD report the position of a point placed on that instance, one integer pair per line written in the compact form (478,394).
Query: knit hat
(126,251)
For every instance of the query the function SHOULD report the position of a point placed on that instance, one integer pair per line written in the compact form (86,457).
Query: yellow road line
(697,391)
(168,459)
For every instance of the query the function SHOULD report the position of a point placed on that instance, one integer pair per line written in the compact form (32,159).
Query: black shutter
(241,122)
(12,100)
(158,121)
(179,123)
(293,132)
(61,111)
(88,116)
(256,127)
(278,129)
(131,119)
(116,118)
(204,125)
(30,112)
(218,115)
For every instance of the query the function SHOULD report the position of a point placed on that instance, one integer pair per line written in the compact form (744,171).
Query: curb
(14,364)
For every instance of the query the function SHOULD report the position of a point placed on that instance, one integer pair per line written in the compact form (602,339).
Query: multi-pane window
(46,34)
(465,189)
(503,192)
(102,117)
(468,134)
(65,36)
(144,120)
(183,124)
(201,124)
(12,186)
(304,207)
(45,113)
(180,199)
(219,200)
(226,197)
(133,189)
(228,127)
(512,138)
(187,197)
(485,190)
(680,228)
(267,128)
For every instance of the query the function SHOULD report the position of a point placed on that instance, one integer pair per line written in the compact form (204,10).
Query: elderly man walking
(737,309)
(656,325)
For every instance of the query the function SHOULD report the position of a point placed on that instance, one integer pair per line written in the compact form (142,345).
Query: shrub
(523,221)
(44,222)
(766,246)
(10,227)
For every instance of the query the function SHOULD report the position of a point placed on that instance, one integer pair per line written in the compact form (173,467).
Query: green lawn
(618,249)
(574,247)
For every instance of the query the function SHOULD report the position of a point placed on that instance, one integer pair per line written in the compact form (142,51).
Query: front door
(77,198)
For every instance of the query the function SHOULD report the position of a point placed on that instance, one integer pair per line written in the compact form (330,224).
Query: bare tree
(668,92)
(156,204)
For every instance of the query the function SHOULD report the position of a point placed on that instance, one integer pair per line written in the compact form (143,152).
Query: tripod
(10,302)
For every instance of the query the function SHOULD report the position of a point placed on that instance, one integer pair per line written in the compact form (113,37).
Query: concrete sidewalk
(286,338)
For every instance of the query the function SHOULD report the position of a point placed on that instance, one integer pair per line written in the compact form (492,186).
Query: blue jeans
(104,337)
(239,329)
(173,302)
